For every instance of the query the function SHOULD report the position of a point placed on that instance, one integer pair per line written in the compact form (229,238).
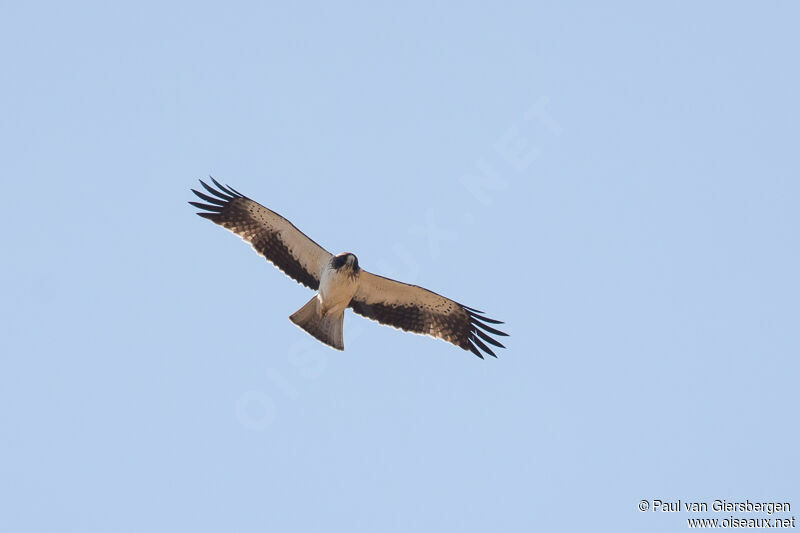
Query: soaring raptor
(341,283)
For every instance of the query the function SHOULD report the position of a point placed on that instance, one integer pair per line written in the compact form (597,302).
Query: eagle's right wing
(270,234)
(417,310)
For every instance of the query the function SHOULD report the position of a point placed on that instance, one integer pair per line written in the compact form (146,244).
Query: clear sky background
(618,183)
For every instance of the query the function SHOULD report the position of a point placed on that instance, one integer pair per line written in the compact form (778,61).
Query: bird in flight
(341,283)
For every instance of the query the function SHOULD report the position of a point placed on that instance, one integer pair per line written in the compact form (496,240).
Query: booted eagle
(341,283)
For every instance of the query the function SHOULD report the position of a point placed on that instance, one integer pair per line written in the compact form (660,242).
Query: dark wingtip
(223,188)
(474,350)
(489,329)
(215,192)
(487,338)
(209,199)
(473,314)
(234,190)
(482,346)
(480,331)
(487,320)
(207,207)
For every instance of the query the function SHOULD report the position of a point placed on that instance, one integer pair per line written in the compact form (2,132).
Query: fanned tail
(327,329)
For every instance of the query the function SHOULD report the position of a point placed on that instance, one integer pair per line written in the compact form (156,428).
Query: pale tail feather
(327,329)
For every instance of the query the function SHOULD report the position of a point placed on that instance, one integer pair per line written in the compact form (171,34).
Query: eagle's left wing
(412,308)
(270,234)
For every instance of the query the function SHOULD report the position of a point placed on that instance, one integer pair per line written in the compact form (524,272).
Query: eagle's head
(345,260)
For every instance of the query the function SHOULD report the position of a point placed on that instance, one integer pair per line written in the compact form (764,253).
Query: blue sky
(619,183)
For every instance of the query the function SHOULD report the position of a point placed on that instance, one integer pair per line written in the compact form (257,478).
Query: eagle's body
(338,283)
(341,283)
(323,315)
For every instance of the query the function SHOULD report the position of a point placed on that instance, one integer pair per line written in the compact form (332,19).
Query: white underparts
(336,289)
